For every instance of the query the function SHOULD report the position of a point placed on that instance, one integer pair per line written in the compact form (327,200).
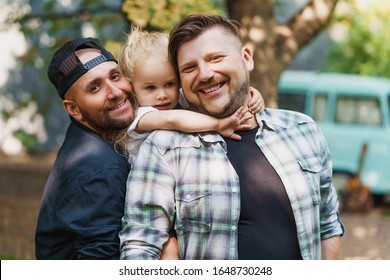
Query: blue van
(352,111)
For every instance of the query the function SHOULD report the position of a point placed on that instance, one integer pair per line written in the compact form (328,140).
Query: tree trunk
(275,45)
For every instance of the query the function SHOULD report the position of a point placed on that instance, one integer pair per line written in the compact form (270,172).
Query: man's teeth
(118,106)
(211,89)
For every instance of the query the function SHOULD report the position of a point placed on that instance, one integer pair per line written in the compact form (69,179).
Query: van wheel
(380,199)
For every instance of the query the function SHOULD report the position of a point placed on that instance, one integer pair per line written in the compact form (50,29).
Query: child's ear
(72,109)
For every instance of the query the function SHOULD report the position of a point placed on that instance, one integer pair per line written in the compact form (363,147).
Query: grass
(6,257)
(386,213)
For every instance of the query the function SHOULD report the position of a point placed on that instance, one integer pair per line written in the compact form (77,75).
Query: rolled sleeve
(330,224)
(149,206)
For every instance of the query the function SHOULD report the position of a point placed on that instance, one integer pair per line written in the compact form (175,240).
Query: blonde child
(144,60)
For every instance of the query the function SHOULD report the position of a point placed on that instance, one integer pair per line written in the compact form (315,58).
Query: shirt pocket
(193,210)
(311,168)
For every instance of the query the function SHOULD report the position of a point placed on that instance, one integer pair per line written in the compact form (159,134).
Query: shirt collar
(271,121)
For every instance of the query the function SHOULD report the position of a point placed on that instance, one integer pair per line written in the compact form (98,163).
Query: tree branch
(82,12)
(304,26)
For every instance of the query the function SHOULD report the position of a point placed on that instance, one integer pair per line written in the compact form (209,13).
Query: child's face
(156,84)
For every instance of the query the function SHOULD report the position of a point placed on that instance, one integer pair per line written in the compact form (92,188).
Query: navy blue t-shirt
(266,227)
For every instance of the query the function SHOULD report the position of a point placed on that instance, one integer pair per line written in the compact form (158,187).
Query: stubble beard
(106,124)
(237,98)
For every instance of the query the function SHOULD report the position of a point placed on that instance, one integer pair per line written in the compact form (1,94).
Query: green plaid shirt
(185,182)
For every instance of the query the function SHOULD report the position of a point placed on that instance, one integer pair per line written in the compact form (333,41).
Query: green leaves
(162,15)
(366,47)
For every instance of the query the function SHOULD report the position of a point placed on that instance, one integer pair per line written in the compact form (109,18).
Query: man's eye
(216,58)
(94,88)
(188,69)
(116,76)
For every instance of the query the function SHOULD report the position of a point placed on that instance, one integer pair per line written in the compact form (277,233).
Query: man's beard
(105,123)
(237,99)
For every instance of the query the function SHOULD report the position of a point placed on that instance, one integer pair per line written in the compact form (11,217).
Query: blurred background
(287,36)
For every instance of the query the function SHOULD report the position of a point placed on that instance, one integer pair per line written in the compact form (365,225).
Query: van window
(357,110)
(320,107)
(388,107)
(292,101)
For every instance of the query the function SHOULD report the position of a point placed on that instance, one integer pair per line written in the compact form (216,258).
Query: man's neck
(252,122)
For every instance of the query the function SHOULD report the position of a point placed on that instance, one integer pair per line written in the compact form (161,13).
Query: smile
(118,106)
(213,88)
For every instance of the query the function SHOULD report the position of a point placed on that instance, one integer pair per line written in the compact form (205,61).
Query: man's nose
(113,90)
(205,72)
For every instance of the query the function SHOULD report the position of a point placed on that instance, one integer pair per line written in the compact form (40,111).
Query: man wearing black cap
(83,201)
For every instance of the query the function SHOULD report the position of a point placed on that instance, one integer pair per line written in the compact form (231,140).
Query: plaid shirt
(185,182)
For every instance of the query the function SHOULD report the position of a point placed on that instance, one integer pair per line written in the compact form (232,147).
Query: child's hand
(256,104)
(236,121)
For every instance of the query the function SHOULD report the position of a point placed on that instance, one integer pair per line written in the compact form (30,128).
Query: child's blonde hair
(141,44)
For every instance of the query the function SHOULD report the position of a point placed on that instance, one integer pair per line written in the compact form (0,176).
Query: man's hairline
(70,94)
(223,28)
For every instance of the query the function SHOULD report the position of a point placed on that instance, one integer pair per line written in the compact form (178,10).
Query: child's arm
(256,104)
(188,121)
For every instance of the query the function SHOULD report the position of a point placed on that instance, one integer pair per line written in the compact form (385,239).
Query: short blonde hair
(139,45)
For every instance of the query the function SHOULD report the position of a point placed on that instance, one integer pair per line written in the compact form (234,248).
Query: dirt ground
(21,185)
(22,180)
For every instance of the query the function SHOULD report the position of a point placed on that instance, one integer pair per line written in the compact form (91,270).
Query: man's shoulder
(285,118)
(86,146)
(288,114)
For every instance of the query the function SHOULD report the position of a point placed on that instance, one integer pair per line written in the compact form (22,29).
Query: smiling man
(215,78)
(267,196)
(84,196)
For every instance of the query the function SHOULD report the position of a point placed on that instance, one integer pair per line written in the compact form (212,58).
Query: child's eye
(150,88)
(170,84)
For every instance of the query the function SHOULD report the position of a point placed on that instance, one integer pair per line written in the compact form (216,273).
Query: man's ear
(248,57)
(72,109)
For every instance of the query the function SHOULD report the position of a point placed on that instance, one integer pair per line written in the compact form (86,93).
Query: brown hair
(193,26)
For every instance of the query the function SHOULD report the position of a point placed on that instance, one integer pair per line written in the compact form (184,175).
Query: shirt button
(234,228)
(188,196)
(234,189)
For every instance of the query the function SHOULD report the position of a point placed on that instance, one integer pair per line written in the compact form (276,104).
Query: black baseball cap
(65,67)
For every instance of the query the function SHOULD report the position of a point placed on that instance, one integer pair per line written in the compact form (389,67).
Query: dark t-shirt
(266,227)
(82,206)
